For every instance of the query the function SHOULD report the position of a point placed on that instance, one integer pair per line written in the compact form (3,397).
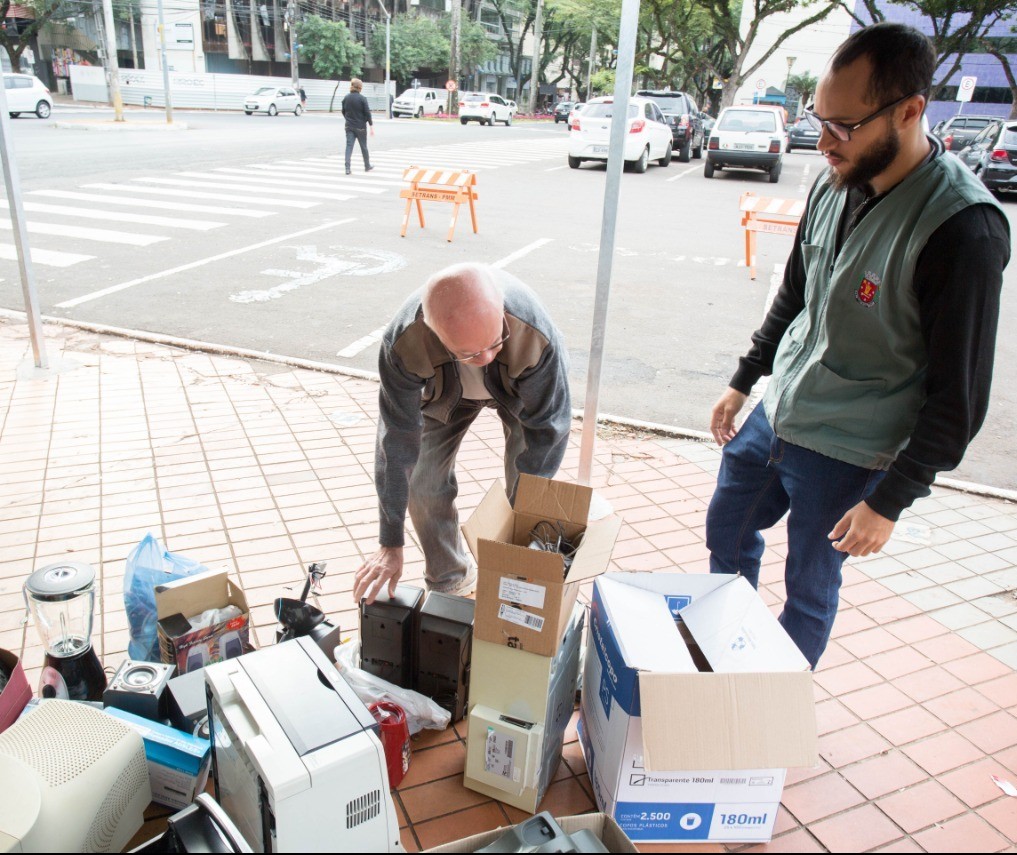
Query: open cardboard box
(695,703)
(524,597)
(600,824)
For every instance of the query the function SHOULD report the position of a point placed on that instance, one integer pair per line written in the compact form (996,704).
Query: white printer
(296,759)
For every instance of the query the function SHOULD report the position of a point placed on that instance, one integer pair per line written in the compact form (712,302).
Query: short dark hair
(902,59)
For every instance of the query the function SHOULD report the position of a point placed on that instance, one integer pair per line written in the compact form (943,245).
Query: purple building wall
(981,65)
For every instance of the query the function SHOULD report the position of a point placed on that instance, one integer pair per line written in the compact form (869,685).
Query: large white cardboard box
(695,702)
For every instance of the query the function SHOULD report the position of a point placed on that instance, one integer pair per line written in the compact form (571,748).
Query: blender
(61,598)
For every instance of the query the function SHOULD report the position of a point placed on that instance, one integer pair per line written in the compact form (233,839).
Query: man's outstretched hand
(381,569)
(861,531)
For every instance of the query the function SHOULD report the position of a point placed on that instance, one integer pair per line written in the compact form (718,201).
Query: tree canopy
(332,50)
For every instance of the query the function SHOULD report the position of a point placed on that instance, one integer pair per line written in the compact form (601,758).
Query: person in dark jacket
(357,112)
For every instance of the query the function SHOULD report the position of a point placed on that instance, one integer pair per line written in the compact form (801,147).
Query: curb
(330,368)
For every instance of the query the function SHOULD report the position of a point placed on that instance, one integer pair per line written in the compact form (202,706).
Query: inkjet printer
(296,759)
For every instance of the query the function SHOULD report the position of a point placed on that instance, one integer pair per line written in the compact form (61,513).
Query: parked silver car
(26,93)
(273,100)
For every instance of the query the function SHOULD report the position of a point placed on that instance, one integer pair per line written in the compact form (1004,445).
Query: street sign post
(450,85)
(965,91)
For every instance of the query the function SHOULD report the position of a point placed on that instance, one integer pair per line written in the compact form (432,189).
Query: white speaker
(74,780)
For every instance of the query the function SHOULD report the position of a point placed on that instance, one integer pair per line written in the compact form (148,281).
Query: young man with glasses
(880,340)
(472,338)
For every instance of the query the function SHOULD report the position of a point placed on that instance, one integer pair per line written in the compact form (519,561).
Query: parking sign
(966,88)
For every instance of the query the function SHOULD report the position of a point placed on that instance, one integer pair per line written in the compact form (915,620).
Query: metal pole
(112,66)
(453,67)
(388,59)
(535,69)
(615,161)
(165,67)
(291,15)
(593,48)
(13,186)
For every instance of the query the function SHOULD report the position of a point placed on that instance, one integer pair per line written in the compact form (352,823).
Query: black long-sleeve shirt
(357,112)
(958,278)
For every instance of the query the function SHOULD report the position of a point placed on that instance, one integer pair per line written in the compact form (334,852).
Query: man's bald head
(465,307)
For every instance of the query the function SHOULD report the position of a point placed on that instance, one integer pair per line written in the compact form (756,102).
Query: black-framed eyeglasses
(504,338)
(843,132)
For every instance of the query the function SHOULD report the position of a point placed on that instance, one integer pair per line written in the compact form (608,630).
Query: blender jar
(61,598)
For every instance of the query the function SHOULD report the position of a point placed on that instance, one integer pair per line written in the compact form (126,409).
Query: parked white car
(420,102)
(273,100)
(648,136)
(749,137)
(486,108)
(26,93)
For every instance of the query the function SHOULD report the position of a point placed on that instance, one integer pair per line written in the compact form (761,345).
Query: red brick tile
(784,822)
(849,622)
(920,806)
(438,798)
(889,610)
(968,833)
(945,648)
(566,798)
(906,725)
(878,776)
(918,628)
(992,733)
(820,798)
(876,700)
(973,783)
(961,706)
(806,773)
(942,753)
(930,683)
(864,592)
(1003,691)
(434,763)
(870,642)
(847,678)
(977,668)
(897,663)
(857,830)
(1002,815)
(408,840)
(905,844)
(465,823)
(799,840)
(832,715)
(850,745)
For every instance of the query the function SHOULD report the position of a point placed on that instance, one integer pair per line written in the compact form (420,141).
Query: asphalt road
(244,231)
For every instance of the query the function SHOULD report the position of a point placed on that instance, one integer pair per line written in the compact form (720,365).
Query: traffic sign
(450,85)
(966,88)
(761,85)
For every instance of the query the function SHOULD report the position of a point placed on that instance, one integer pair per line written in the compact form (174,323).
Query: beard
(870,163)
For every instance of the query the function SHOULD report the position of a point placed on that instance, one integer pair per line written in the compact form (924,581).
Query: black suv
(684,118)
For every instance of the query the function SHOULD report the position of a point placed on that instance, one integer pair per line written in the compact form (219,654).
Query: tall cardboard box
(695,702)
(524,596)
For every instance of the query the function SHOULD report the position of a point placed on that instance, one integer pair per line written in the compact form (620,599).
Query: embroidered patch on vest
(868,292)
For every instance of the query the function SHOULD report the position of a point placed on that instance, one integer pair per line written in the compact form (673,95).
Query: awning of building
(21,12)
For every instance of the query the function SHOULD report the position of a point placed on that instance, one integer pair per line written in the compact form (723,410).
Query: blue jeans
(761,478)
(353,136)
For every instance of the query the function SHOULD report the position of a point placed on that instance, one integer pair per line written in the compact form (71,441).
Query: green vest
(849,374)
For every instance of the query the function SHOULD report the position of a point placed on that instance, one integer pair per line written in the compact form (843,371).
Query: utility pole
(453,67)
(593,49)
(388,58)
(112,67)
(291,17)
(165,67)
(538,24)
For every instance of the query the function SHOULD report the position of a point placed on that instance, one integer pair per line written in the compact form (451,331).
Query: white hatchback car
(648,138)
(486,108)
(27,94)
(749,137)
(273,100)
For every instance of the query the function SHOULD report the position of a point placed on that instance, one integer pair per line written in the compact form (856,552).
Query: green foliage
(475,48)
(602,82)
(417,43)
(804,84)
(14,39)
(330,47)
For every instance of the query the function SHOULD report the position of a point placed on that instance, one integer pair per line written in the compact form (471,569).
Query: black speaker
(444,649)
(140,688)
(187,704)
(388,628)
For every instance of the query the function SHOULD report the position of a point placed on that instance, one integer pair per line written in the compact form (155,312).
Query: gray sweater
(528,379)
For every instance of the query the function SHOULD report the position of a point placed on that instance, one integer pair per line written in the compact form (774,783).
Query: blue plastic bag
(150,565)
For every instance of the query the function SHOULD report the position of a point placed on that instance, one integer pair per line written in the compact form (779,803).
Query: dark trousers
(360,136)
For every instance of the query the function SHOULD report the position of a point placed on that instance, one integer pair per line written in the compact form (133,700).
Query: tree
(416,43)
(804,84)
(332,50)
(475,48)
(997,50)
(570,25)
(15,39)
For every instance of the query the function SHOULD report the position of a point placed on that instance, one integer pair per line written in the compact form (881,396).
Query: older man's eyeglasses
(843,132)
(458,357)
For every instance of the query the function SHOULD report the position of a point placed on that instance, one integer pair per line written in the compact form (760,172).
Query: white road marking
(683,174)
(519,253)
(803,185)
(231,183)
(113,289)
(47,257)
(149,203)
(118,216)
(776,278)
(356,179)
(196,194)
(286,182)
(102,235)
(362,344)
(555,168)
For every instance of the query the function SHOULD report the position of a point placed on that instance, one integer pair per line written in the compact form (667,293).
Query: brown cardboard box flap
(594,554)
(505,559)
(727,721)
(553,500)
(194,594)
(603,826)
(492,519)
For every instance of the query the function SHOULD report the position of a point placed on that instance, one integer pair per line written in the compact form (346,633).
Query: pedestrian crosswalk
(148,210)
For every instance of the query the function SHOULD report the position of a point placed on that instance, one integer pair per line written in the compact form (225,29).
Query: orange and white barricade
(429,184)
(766,214)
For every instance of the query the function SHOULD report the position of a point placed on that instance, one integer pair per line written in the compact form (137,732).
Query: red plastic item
(395,738)
(16,694)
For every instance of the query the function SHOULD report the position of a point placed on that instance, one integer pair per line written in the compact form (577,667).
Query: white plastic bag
(421,712)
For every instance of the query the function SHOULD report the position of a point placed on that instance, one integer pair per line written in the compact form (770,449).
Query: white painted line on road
(683,174)
(555,168)
(519,253)
(149,203)
(118,216)
(47,257)
(776,278)
(358,177)
(803,184)
(362,344)
(195,194)
(231,183)
(286,182)
(123,286)
(101,235)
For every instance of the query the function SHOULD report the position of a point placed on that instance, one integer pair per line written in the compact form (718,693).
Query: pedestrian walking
(357,112)
(880,339)
(303,98)
(472,338)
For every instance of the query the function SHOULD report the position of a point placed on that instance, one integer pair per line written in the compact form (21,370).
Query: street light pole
(388,58)
(791,60)
(165,67)
(291,17)
(112,67)
(535,69)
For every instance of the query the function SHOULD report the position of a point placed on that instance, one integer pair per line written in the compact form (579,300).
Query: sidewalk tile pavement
(262,468)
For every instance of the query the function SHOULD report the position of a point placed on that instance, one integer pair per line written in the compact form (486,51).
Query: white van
(419,103)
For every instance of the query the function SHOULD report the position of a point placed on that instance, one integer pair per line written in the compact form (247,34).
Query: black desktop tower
(444,647)
(388,629)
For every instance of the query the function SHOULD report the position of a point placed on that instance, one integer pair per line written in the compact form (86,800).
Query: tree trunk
(1004,61)
(331,102)
(134,41)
